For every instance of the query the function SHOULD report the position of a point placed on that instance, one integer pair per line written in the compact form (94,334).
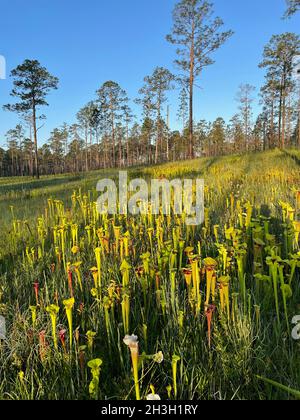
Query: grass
(217,300)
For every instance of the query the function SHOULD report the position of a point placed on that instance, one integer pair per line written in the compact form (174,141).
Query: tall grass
(211,306)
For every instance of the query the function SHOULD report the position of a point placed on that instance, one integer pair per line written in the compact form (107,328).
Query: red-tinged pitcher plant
(62,338)
(42,344)
(70,279)
(210,268)
(132,342)
(36,292)
(117,233)
(53,310)
(69,305)
(187,272)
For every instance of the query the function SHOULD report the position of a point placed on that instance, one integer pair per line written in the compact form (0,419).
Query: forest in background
(107,134)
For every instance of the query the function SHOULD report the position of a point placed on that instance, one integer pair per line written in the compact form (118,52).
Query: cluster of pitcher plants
(144,306)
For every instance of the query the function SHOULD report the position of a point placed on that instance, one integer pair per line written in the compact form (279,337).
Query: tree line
(107,134)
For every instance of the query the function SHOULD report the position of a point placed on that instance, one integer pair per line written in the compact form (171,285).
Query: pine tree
(197,35)
(32,83)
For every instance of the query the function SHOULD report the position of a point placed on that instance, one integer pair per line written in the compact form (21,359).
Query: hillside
(212,305)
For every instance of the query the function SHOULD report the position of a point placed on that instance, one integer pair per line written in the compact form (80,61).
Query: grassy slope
(29,196)
(263,178)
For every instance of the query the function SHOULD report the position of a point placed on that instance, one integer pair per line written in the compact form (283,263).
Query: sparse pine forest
(112,305)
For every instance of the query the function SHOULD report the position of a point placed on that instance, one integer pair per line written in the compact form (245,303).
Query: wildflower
(146,262)
(117,231)
(76,266)
(70,281)
(94,365)
(196,282)
(90,335)
(210,266)
(241,254)
(158,357)
(75,250)
(126,311)
(188,276)
(180,321)
(69,304)
(273,262)
(81,357)
(94,292)
(224,293)
(126,238)
(145,334)
(62,337)
(189,251)
(43,344)
(36,291)
(53,311)
(125,270)
(33,310)
(175,360)
(296,225)
(94,271)
(132,342)
(21,375)
(77,334)
(139,271)
(98,261)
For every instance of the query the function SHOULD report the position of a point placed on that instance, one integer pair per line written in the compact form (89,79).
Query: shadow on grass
(291,156)
(30,186)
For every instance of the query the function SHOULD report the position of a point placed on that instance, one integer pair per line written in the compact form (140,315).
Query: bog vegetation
(143,306)
(107,133)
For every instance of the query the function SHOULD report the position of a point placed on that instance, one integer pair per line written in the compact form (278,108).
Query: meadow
(136,307)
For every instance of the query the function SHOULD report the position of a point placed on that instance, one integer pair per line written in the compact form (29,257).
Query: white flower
(131,340)
(153,397)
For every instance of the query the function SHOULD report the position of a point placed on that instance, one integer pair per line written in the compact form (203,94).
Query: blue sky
(85,43)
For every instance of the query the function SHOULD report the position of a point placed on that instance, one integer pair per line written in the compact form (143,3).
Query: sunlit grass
(211,306)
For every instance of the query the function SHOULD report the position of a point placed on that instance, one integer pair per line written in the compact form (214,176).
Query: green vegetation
(212,306)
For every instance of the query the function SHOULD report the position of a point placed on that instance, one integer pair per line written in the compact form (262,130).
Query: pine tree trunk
(191,94)
(36,157)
